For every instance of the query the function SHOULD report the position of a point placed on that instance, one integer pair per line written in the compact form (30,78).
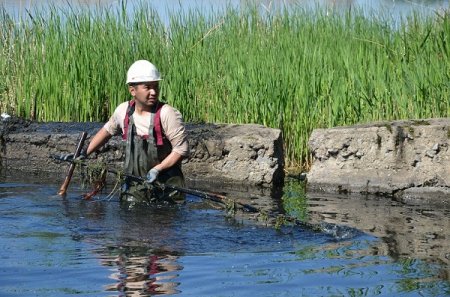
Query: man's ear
(132,90)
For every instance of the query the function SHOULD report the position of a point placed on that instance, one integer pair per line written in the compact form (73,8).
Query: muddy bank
(233,156)
(406,160)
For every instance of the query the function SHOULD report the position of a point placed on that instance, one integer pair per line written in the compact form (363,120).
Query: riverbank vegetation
(290,69)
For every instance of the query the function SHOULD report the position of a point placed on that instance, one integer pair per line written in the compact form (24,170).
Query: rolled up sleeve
(174,129)
(115,123)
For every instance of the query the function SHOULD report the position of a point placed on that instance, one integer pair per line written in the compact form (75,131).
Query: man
(153,133)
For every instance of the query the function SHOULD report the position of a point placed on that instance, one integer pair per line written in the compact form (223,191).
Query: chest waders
(142,153)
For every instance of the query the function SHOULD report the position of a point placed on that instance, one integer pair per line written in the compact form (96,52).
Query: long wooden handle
(65,185)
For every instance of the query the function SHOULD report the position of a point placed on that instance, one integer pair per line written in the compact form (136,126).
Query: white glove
(152,175)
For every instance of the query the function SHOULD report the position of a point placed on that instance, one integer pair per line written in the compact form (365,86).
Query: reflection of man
(141,275)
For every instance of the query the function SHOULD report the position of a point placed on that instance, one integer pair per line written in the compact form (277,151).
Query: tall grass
(290,69)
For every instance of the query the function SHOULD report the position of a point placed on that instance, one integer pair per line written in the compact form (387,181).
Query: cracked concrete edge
(407,160)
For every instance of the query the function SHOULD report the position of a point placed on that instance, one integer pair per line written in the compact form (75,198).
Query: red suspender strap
(157,124)
(126,120)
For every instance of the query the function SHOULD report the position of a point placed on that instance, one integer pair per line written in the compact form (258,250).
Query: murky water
(53,246)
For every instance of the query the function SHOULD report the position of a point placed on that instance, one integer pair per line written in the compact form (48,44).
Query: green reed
(294,69)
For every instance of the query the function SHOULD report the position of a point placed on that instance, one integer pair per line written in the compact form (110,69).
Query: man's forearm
(98,140)
(172,159)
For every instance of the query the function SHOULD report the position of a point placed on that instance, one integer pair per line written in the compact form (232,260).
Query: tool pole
(65,185)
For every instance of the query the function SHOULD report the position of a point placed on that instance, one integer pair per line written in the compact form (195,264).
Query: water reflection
(137,271)
(67,246)
(139,246)
(407,232)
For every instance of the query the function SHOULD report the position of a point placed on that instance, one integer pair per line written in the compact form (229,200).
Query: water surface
(53,246)
(394,8)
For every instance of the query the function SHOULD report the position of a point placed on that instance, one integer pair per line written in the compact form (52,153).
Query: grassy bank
(295,70)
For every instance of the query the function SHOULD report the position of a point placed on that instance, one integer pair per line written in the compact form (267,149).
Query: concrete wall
(250,155)
(408,160)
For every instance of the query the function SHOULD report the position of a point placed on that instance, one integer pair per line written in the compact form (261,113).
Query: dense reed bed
(291,69)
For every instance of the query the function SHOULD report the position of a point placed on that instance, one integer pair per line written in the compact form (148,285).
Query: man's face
(145,93)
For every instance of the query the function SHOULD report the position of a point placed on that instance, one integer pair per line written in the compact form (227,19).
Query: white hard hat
(142,71)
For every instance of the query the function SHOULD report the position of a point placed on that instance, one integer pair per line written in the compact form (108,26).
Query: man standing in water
(153,133)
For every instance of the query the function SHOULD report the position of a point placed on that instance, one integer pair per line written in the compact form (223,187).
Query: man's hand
(66,157)
(152,175)
(69,157)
